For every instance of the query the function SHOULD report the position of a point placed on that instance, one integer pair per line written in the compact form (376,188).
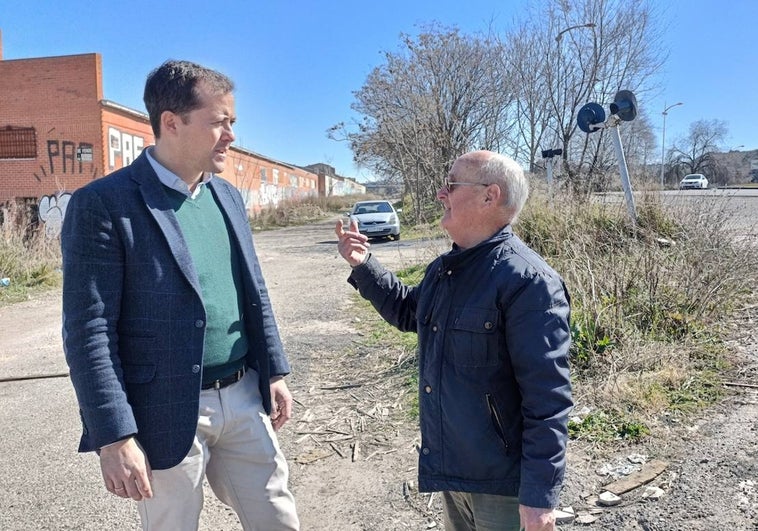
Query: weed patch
(650,302)
(28,258)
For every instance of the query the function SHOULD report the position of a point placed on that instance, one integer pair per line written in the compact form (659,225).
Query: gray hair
(506,173)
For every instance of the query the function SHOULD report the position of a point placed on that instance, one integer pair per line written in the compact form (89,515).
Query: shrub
(649,302)
(302,211)
(648,299)
(30,260)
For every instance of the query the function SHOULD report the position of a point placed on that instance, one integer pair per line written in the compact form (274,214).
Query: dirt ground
(351,445)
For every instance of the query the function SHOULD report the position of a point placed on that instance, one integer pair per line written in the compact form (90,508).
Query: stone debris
(564,515)
(653,493)
(638,459)
(617,471)
(585,518)
(608,499)
(649,471)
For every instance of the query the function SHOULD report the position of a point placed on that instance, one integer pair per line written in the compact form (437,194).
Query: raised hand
(352,245)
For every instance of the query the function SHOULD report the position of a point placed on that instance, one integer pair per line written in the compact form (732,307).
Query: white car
(694,180)
(376,219)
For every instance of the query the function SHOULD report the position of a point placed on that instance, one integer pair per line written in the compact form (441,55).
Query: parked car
(376,219)
(694,180)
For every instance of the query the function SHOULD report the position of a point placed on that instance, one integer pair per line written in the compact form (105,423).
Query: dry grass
(649,302)
(652,304)
(30,260)
(302,211)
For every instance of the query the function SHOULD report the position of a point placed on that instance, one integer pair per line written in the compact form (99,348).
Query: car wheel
(395,237)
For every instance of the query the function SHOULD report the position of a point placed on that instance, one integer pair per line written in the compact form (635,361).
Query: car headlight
(393,219)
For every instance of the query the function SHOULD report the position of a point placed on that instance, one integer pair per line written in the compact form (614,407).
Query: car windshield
(372,208)
(693,178)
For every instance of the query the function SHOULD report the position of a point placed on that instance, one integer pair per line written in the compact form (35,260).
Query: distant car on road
(376,219)
(694,180)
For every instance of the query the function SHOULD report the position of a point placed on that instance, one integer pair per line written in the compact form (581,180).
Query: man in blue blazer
(168,329)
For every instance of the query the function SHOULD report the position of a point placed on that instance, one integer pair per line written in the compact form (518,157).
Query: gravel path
(351,446)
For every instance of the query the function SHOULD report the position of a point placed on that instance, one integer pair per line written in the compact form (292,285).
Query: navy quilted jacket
(494,388)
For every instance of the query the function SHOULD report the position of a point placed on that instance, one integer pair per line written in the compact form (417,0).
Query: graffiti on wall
(124,146)
(61,159)
(51,211)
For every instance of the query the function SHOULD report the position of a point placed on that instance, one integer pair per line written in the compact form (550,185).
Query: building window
(263,175)
(18,143)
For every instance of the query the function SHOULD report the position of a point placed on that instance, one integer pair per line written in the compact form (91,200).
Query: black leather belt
(225,381)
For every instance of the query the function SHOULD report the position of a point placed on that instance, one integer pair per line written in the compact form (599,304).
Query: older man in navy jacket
(493,325)
(168,329)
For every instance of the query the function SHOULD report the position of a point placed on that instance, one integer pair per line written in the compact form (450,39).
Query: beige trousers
(236,448)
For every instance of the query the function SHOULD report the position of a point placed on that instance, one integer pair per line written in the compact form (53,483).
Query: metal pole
(625,182)
(663,139)
(560,105)
(550,177)
(663,149)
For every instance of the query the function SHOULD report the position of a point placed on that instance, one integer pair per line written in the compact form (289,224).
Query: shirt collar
(172,180)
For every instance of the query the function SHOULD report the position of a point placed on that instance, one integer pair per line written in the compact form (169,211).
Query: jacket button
(428,388)
(199,323)
(434,328)
(425,451)
(196,369)
(488,325)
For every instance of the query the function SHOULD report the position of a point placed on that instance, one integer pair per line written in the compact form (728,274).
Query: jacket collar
(458,257)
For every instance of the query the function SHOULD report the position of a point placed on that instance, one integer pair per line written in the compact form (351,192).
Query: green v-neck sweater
(217,263)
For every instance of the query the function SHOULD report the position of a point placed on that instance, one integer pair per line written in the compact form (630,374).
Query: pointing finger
(339,229)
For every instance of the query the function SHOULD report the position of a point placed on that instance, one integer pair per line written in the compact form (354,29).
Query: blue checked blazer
(133,315)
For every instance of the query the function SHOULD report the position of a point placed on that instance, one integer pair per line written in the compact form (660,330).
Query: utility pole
(663,140)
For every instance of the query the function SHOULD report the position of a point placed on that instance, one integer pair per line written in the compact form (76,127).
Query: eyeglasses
(449,185)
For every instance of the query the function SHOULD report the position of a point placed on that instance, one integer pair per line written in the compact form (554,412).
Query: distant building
(57,133)
(385,188)
(329,183)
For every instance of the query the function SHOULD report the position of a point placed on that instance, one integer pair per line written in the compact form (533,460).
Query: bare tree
(445,93)
(441,96)
(695,152)
(576,52)
(524,57)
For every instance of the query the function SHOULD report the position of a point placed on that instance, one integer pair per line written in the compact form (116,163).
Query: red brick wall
(60,98)
(124,136)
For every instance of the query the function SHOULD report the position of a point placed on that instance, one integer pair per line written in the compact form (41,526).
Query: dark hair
(172,87)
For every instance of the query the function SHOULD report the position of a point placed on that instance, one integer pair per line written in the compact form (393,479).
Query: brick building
(57,133)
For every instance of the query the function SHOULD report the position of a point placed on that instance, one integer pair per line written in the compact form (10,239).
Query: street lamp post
(663,139)
(560,33)
(559,104)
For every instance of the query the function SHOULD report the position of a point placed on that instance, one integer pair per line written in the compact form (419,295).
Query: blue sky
(296,63)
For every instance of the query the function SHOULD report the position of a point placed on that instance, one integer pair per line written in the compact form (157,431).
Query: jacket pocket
(138,373)
(473,339)
(497,422)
